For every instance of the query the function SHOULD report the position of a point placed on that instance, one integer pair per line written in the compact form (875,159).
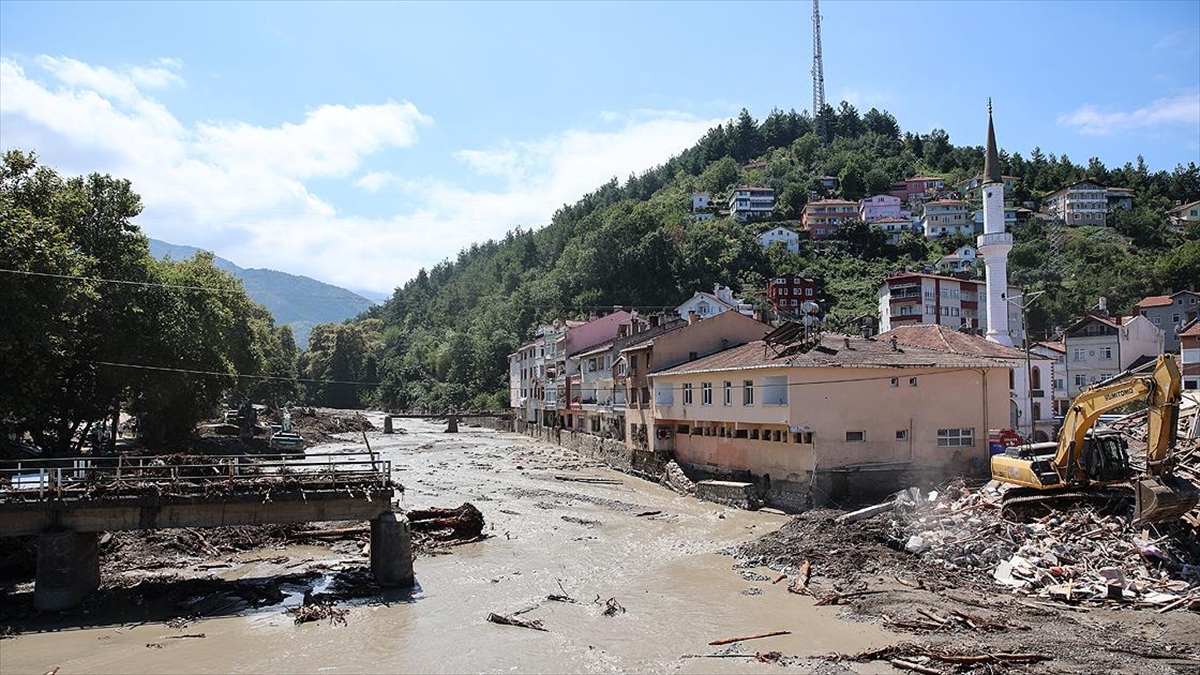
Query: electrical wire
(139,366)
(75,277)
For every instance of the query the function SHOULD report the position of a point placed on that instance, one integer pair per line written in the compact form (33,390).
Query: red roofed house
(1098,347)
(1170,313)
(917,185)
(841,418)
(788,291)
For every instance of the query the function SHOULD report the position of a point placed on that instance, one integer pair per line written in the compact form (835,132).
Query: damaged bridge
(67,502)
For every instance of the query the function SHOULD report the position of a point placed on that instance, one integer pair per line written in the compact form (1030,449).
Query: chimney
(592,315)
(758,315)
(895,347)
(1103,306)
(623,329)
(865,330)
(654,320)
(691,316)
(847,340)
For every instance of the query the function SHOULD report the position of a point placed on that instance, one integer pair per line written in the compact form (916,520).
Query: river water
(547,536)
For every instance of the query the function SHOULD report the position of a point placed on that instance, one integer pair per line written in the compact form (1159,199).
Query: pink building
(880,207)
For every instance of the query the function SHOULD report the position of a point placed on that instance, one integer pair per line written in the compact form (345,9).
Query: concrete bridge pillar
(387,425)
(68,568)
(452,424)
(391,550)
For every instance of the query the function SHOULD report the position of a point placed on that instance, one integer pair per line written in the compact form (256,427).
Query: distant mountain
(300,302)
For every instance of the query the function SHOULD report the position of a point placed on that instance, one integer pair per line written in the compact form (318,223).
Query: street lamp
(1028,367)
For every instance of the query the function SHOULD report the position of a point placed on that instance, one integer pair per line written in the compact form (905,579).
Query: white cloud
(1091,120)
(240,189)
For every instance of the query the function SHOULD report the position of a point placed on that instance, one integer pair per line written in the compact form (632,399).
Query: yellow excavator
(1086,463)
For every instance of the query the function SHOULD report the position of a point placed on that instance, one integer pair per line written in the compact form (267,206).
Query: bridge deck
(90,494)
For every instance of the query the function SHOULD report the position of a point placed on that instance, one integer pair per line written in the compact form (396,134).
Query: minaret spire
(991,162)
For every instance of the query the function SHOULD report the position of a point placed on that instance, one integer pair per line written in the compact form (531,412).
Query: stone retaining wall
(613,453)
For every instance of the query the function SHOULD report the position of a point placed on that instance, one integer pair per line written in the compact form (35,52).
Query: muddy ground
(555,519)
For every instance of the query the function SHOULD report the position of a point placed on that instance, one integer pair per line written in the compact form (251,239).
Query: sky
(359,142)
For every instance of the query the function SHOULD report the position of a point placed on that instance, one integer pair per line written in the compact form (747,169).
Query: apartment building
(747,202)
(1170,313)
(1082,203)
(1119,198)
(964,259)
(1099,347)
(788,291)
(910,298)
(1057,353)
(822,217)
(894,228)
(829,422)
(945,217)
(703,305)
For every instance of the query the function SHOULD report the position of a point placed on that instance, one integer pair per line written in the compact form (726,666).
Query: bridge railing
(115,477)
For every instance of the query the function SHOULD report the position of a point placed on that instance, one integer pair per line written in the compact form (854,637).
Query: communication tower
(818,70)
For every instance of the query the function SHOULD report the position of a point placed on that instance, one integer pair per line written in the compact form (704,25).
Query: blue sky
(356,143)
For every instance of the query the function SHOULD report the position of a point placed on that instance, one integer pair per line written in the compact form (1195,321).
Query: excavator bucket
(1163,498)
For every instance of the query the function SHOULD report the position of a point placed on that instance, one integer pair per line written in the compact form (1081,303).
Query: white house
(789,238)
(963,259)
(1099,347)
(747,202)
(706,305)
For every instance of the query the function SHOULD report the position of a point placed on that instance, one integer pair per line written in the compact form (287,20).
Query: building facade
(1189,355)
(894,228)
(1100,347)
(1183,215)
(963,259)
(823,216)
(1082,203)
(747,202)
(917,186)
(880,207)
(911,298)
(1170,313)
(704,305)
(787,292)
(790,239)
(811,424)
(945,217)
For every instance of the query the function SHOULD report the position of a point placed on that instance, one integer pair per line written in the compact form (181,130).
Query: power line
(138,366)
(75,277)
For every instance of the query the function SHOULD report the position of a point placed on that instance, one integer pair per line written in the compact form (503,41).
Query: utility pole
(1025,303)
(818,70)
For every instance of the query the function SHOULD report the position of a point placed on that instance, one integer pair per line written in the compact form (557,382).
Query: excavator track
(1022,504)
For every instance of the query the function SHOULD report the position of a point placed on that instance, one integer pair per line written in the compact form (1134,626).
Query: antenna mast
(818,70)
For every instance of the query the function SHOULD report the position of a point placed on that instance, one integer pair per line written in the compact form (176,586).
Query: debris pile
(1077,553)
(320,426)
(435,527)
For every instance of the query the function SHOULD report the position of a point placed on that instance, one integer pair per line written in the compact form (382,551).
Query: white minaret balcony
(994,240)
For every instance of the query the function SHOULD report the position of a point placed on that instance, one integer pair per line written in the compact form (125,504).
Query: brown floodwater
(547,536)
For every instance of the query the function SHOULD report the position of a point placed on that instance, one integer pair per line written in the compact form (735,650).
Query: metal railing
(79,478)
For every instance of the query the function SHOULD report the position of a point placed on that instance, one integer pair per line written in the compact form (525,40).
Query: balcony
(995,239)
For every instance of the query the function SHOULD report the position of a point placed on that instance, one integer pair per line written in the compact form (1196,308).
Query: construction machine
(1084,462)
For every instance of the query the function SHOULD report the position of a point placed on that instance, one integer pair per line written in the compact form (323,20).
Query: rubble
(1080,553)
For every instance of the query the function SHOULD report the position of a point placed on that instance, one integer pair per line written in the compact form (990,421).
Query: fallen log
(332,533)
(536,624)
(863,514)
(901,664)
(182,637)
(464,522)
(727,641)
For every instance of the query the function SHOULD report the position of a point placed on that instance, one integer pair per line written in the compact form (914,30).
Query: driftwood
(727,641)
(464,522)
(318,610)
(799,585)
(536,624)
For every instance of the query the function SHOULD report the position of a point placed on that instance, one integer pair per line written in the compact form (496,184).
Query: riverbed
(655,553)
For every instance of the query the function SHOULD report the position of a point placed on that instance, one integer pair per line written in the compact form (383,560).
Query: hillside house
(881,207)
(789,238)
(747,202)
(1119,198)
(917,186)
(703,305)
(894,228)
(909,298)
(788,291)
(831,422)
(1170,313)
(945,217)
(822,217)
(963,259)
(1184,214)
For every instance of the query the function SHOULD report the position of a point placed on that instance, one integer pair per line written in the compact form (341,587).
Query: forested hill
(442,339)
(296,301)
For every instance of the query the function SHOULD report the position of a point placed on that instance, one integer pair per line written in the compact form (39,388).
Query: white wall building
(747,202)
(790,239)
(707,305)
(1099,347)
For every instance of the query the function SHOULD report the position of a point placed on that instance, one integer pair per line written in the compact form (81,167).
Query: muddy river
(547,536)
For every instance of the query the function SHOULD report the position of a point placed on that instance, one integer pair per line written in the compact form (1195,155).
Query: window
(706,393)
(902,434)
(1081,381)
(953,438)
(747,392)
(687,394)
(1037,411)
(692,356)
(856,436)
(1079,354)
(1105,353)
(728,392)
(1158,321)
(912,381)
(809,292)
(663,395)
(633,363)
(775,390)
(895,382)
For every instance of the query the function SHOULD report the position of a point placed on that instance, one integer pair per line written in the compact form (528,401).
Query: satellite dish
(809,320)
(809,307)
